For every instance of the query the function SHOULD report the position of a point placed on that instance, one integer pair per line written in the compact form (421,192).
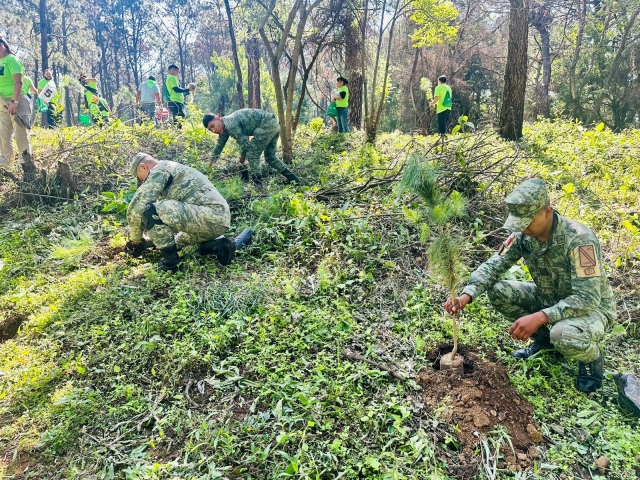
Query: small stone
(522,457)
(480,419)
(493,413)
(501,416)
(563,476)
(603,463)
(533,452)
(534,434)
(516,401)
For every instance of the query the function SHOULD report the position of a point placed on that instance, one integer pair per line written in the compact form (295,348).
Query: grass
(120,371)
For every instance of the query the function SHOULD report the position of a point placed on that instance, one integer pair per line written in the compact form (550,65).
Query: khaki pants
(10,125)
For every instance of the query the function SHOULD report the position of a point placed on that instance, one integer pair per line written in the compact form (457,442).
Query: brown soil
(476,402)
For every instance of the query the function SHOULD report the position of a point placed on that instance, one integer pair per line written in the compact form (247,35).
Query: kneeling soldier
(175,199)
(569,305)
(245,123)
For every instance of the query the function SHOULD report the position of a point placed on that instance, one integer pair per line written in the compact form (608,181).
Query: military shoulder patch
(586,261)
(507,244)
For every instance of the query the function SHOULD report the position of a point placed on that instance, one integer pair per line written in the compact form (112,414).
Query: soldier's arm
(217,150)
(586,281)
(148,192)
(241,138)
(490,271)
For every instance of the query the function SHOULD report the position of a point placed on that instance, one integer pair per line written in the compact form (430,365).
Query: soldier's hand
(524,327)
(136,248)
(456,304)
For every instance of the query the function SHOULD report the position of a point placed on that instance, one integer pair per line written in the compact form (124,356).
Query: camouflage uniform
(186,202)
(265,130)
(570,285)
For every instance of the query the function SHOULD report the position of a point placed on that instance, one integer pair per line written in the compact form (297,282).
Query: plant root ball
(447,363)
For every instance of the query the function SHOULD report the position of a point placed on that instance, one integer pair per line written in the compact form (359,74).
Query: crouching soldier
(245,123)
(569,305)
(177,204)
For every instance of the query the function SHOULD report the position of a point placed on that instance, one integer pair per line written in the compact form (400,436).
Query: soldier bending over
(175,199)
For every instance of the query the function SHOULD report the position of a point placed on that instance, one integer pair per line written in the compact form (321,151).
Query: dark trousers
(53,115)
(177,110)
(443,121)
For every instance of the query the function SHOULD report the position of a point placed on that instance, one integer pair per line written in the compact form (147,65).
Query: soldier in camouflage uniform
(176,199)
(569,305)
(245,123)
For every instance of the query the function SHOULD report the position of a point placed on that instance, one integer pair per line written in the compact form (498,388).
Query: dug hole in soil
(477,400)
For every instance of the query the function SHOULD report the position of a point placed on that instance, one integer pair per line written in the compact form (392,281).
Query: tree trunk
(541,19)
(353,63)
(234,51)
(252,49)
(44,34)
(515,77)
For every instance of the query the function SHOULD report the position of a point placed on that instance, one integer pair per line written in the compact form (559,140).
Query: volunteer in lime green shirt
(27,87)
(15,108)
(176,93)
(342,105)
(442,100)
(54,108)
(98,106)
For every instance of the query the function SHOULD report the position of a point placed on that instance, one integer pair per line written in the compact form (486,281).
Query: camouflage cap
(524,203)
(133,167)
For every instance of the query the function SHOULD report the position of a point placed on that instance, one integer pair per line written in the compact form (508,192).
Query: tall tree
(252,51)
(354,34)
(541,19)
(234,53)
(300,10)
(515,76)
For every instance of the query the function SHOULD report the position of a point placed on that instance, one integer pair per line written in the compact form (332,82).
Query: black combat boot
(531,350)
(170,260)
(590,374)
(291,177)
(257,180)
(223,248)
(244,175)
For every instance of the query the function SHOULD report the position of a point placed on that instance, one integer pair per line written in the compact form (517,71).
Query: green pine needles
(437,226)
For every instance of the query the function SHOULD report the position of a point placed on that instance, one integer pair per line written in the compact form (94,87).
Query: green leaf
(420,343)
(372,462)
(116,369)
(456,129)
(600,127)
(619,330)
(569,188)
(425,232)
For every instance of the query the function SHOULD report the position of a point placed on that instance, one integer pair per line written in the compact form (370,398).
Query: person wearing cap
(15,108)
(148,97)
(94,101)
(245,123)
(569,305)
(176,204)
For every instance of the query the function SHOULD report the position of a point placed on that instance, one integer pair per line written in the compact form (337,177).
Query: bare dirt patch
(477,401)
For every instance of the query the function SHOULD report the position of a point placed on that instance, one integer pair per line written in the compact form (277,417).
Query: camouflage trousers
(575,338)
(265,139)
(184,223)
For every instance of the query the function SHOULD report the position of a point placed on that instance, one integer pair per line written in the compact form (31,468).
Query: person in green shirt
(442,101)
(94,102)
(51,118)
(342,105)
(15,108)
(28,88)
(176,93)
